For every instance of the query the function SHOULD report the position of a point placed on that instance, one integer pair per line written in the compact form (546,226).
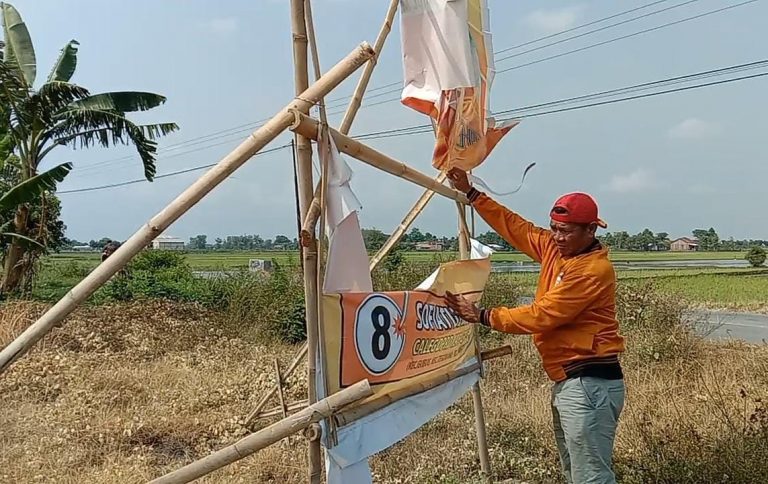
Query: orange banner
(395,335)
(394,338)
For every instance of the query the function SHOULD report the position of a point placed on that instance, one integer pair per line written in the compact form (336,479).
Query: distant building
(83,248)
(166,242)
(431,246)
(684,244)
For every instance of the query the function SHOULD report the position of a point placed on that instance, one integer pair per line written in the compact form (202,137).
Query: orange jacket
(573,316)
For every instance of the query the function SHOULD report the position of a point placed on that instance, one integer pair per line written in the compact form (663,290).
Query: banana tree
(55,114)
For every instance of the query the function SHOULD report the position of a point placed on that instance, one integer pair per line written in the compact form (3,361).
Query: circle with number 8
(377,342)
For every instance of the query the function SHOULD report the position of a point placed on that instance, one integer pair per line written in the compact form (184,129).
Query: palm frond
(123,101)
(12,88)
(155,131)
(23,240)
(52,98)
(88,127)
(19,51)
(31,188)
(66,64)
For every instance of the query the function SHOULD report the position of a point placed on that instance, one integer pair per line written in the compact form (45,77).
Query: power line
(165,175)
(634,34)
(572,29)
(236,130)
(428,128)
(557,42)
(641,96)
(249,126)
(563,54)
(604,94)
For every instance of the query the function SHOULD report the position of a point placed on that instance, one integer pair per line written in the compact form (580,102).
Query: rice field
(217,260)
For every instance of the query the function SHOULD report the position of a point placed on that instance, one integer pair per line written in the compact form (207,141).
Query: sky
(671,163)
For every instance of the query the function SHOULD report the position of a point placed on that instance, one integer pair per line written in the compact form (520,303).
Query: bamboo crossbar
(275,411)
(255,413)
(267,436)
(309,127)
(365,409)
(211,179)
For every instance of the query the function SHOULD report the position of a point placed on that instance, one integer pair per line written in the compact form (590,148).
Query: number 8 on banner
(377,340)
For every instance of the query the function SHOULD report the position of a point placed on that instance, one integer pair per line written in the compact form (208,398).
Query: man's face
(572,239)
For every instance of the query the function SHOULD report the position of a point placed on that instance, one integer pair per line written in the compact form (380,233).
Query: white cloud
(693,128)
(639,180)
(222,26)
(554,20)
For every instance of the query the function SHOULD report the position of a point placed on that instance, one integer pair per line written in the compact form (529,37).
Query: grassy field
(237,259)
(124,393)
(732,288)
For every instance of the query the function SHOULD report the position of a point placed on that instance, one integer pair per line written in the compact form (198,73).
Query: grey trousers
(585,412)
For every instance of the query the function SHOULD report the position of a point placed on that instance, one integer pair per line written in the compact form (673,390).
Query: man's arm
(519,232)
(561,305)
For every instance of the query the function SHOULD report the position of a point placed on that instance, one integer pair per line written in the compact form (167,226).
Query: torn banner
(392,339)
(448,64)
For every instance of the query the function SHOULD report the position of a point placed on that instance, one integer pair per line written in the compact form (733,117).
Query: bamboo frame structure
(365,409)
(268,436)
(310,259)
(310,222)
(310,127)
(187,199)
(486,355)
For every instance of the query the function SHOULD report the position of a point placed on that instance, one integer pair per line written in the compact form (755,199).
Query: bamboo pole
(279,385)
(408,220)
(294,364)
(310,222)
(365,409)
(309,127)
(268,436)
(323,183)
(304,148)
(477,402)
(291,407)
(365,77)
(212,178)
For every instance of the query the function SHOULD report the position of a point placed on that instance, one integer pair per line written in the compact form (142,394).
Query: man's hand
(459,180)
(467,310)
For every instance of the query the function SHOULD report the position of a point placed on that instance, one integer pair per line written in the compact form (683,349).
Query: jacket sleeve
(560,305)
(520,233)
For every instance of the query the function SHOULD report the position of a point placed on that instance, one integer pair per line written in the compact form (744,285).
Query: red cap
(578,208)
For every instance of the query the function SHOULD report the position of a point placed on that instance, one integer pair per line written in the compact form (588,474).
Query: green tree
(374,239)
(198,242)
(708,239)
(756,256)
(58,113)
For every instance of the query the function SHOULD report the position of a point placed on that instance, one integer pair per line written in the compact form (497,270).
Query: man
(573,323)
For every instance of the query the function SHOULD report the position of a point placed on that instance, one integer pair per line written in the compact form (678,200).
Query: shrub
(756,256)
(654,323)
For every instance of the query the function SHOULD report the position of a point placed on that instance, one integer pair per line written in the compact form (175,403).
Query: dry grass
(124,393)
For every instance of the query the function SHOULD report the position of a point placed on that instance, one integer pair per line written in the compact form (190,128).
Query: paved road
(745,326)
(749,327)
